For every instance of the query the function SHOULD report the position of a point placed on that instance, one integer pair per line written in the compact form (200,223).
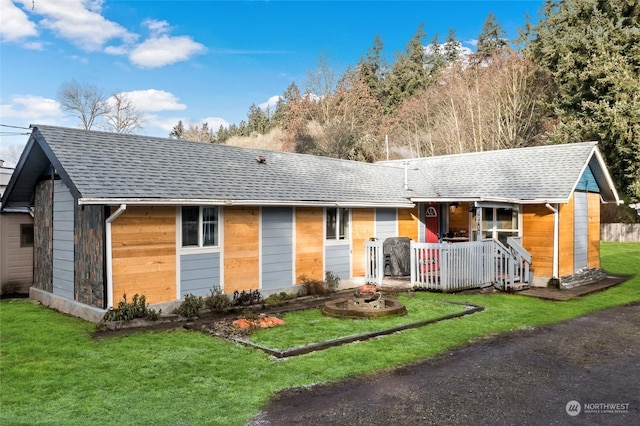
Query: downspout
(556,233)
(109,254)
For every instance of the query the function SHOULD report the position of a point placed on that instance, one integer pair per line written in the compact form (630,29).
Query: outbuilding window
(337,223)
(26,235)
(199,226)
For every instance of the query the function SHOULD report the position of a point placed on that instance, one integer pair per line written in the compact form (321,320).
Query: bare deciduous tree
(122,117)
(83,100)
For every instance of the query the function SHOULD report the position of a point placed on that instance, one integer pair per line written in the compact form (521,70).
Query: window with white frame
(500,223)
(199,226)
(337,223)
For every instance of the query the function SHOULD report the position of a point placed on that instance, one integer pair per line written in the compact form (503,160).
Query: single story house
(117,213)
(16,244)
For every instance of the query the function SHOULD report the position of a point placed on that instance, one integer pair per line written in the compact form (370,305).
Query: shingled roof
(111,168)
(540,174)
(107,168)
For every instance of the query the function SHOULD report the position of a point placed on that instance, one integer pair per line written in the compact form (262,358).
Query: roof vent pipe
(406,175)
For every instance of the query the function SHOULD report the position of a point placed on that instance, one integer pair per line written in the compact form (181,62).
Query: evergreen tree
(592,50)
(491,41)
(372,68)
(178,131)
(452,47)
(258,121)
(408,74)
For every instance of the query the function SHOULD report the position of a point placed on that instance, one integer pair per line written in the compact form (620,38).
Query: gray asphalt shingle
(110,165)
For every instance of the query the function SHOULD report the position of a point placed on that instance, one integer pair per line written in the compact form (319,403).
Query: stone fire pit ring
(343,308)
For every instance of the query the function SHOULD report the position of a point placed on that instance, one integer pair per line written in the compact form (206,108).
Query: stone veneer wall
(89,248)
(43,236)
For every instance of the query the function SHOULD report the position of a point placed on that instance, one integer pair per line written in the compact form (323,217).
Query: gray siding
(277,247)
(580,231)
(199,273)
(63,244)
(386,223)
(338,260)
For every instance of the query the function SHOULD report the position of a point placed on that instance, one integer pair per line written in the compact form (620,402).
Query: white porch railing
(453,267)
(374,262)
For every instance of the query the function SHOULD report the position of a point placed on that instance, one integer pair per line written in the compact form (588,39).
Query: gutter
(556,233)
(205,202)
(109,254)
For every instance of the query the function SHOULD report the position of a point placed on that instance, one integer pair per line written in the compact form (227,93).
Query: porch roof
(539,174)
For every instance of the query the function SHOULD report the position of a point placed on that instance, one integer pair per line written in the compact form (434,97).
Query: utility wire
(15,127)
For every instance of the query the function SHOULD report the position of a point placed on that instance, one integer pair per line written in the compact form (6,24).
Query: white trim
(178,254)
(488,200)
(556,232)
(336,241)
(216,202)
(221,245)
(260,248)
(109,253)
(294,237)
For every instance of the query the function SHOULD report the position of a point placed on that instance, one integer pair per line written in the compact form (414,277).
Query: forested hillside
(572,77)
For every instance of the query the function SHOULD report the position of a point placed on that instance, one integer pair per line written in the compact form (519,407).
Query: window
(337,225)
(26,235)
(199,226)
(499,223)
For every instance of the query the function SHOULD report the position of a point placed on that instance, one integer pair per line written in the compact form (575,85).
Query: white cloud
(156,28)
(32,109)
(164,50)
(473,42)
(155,100)
(80,22)
(14,23)
(270,103)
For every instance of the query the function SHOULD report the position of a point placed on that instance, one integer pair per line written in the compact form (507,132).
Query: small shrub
(126,311)
(311,287)
(275,299)
(217,301)
(244,298)
(332,280)
(190,307)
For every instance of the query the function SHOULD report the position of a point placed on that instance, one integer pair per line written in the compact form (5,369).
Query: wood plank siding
(362,229)
(593,252)
(310,242)
(63,241)
(241,248)
(16,258)
(459,219)
(277,247)
(537,237)
(144,253)
(408,223)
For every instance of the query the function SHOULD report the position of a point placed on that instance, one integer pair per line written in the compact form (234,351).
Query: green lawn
(52,372)
(311,326)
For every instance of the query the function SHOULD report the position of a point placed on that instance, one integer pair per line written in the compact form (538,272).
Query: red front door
(432,223)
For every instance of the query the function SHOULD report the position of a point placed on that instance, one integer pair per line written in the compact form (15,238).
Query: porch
(450,267)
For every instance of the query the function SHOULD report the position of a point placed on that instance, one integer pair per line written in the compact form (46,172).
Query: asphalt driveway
(583,371)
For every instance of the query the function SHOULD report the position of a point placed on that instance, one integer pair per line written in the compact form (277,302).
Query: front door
(432,223)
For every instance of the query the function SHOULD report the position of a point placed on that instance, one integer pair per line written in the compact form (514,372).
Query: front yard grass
(311,326)
(53,372)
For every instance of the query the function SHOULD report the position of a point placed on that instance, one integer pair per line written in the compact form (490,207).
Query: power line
(15,127)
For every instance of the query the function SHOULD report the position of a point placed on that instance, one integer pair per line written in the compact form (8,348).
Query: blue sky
(204,60)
